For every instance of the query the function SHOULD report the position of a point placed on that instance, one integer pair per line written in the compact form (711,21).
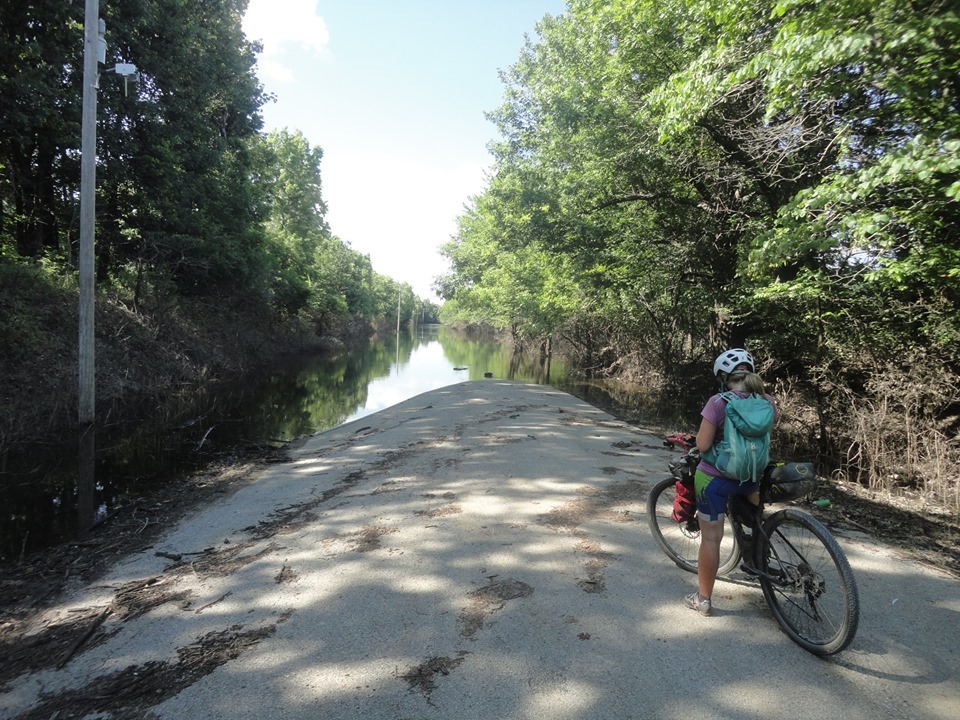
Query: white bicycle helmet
(730,359)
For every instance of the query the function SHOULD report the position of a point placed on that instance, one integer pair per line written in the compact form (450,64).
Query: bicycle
(804,574)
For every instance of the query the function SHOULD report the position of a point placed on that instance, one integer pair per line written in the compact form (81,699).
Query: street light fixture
(129,74)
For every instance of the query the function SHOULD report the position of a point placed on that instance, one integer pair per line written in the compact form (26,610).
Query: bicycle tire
(681,541)
(808,583)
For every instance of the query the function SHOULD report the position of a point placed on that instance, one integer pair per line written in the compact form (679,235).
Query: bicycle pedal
(749,569)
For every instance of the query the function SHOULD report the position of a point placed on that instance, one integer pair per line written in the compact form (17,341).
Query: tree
(177,159)
(297,234)
(40,85)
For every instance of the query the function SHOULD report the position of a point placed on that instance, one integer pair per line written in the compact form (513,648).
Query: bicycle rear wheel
(808,583)
(681,541)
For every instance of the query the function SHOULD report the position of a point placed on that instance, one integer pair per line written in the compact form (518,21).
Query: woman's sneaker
(698,603)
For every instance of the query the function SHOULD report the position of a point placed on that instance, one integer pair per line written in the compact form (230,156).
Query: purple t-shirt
(715,411)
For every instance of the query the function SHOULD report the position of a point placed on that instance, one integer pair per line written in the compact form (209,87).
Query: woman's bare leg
(708,558)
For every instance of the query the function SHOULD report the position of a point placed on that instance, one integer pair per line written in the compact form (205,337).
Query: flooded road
(38,487)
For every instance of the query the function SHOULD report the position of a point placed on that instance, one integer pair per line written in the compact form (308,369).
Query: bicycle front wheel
(808,583)
(681,541)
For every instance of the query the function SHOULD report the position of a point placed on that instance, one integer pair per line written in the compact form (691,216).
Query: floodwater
(39,487)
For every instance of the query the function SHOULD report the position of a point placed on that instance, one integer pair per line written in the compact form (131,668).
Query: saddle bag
(789,481)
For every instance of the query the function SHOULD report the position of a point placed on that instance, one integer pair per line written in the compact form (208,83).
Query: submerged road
(478,551)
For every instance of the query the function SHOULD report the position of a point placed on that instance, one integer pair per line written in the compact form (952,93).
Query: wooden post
(88,194)
(399,295)
(88,189)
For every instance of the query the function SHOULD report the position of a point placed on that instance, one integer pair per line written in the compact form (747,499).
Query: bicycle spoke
(681,541)
(808,583)
(807,607)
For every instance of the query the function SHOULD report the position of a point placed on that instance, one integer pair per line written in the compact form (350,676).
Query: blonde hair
(753,384)
(748,382)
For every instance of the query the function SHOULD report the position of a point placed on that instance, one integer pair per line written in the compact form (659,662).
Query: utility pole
(88,194)
(93,48)
(399,295)
(94,54)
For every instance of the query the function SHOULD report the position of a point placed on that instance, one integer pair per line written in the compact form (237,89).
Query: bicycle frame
(755,520)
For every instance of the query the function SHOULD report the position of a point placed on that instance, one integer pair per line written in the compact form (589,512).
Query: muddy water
(38,504)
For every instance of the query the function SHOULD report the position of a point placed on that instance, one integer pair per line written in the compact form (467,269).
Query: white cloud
(280,25)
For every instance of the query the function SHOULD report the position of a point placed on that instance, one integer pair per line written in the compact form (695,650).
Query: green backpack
(745,449)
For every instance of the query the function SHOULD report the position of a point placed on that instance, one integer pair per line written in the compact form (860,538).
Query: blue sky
(394,91)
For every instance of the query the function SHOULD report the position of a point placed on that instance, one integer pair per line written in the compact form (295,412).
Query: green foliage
(40,52)
(693,174)
(703,150)
(192,197)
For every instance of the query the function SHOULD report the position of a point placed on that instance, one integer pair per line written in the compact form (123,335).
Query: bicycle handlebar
(684,440)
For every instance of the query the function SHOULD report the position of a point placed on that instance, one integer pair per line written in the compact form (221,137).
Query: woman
(735,371)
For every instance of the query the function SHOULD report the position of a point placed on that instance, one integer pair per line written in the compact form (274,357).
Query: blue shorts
(713,493)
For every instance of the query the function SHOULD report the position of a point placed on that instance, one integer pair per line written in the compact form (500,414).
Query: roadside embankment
(150,358)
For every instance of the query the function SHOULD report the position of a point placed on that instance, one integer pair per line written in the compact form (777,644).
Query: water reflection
(440,356)
(39,487)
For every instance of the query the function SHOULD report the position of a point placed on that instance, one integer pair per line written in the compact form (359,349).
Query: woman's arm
(705,435)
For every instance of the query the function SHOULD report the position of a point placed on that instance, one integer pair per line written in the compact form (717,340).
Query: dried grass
(898,434)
